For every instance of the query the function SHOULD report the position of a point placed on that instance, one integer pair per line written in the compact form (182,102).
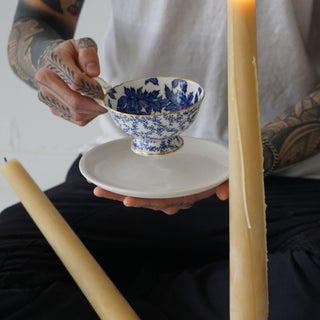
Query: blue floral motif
(152,80)
(139,101)
(111,93)
(143,101)
(172,103)
(155,147)
(156,134)
(182,83)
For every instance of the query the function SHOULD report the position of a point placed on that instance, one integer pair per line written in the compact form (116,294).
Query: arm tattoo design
(26,58)
(55,64)
(53,4)
(26,53)
(86,43)
(47,52)
(75,8)
(19,50)
(64,111)
(293,136)
(35,29)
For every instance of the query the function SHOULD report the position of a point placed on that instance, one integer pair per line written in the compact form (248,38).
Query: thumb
(223,191)
(88,56)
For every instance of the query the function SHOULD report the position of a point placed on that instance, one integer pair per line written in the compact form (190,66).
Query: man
(171,262)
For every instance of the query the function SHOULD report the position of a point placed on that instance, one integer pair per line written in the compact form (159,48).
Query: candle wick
(5,159)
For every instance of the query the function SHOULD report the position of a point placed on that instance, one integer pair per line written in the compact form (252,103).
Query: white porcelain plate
(197,166)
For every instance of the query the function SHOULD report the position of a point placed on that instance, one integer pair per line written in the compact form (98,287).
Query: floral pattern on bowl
(155,111)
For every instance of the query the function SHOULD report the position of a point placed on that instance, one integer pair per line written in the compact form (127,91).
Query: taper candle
(102,294)
(248,255)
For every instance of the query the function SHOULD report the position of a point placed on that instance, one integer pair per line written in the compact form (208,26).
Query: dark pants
(168,267)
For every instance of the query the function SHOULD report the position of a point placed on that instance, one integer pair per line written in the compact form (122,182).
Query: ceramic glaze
(155,111)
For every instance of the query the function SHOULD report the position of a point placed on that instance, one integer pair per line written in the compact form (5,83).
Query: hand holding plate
(169,206)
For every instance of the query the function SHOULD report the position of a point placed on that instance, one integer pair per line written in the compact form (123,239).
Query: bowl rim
(152,115)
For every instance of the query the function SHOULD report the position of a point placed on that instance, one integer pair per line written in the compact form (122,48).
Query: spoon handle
(105,87)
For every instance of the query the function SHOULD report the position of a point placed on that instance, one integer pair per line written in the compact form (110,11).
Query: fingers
(66,103)
(169,206)
(99,192)
(223,191)
(66,83)
(88,58)
(64,62)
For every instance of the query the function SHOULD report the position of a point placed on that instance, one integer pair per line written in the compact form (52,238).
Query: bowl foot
(156,147)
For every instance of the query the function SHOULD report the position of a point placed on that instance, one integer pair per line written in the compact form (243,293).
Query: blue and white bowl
(155,111)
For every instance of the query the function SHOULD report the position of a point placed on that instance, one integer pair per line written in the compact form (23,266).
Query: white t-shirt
(188,39)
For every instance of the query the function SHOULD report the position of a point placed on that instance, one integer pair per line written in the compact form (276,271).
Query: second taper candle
(248,258)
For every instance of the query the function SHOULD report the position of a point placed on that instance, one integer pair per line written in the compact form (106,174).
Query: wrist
(271,157)
(44,50)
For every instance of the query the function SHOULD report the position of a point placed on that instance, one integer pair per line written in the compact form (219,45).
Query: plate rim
(148,194)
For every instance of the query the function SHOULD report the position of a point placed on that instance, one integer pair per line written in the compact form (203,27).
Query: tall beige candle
(104,297)
(248,255)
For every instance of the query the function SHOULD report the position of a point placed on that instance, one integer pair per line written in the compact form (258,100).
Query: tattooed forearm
(38,28)
(59,15)
(295,135)
(19,49)
(27,49)
(53,4)
(74,8)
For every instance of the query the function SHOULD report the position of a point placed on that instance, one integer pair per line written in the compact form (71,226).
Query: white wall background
(46,145)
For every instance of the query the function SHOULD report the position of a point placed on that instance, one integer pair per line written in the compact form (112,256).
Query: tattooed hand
(42,53)
(64,76)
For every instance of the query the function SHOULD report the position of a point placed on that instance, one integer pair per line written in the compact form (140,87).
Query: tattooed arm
(43,54)
(293,136)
